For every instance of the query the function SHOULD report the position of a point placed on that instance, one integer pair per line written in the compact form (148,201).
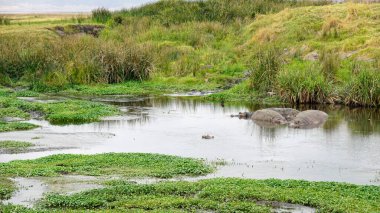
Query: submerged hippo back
(268,115)
(309,119)
(288,113)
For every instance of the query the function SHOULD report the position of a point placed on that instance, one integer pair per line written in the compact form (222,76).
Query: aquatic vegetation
(6,189)
(75,111)
(129,165)
(221,195)
(16,126)
(65,112)
(14,145)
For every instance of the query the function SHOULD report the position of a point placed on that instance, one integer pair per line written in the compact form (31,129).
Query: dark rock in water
(268,115)
(78,29)
(207,137)
(309,119)
(288,113)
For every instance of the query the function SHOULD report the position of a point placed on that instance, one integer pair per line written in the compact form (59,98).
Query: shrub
(101,15)
(301,82)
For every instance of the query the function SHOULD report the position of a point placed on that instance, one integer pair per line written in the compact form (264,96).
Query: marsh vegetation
(246,51)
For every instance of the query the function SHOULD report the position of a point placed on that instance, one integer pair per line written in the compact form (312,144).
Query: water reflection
(360,121)
(345,149)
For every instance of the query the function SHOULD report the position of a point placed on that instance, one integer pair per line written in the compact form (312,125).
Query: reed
(303,83)
(364,88)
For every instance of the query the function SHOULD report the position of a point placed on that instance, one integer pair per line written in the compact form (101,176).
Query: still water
(345,149)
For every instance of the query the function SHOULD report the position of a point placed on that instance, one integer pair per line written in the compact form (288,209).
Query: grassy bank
(299,52)
(128,165)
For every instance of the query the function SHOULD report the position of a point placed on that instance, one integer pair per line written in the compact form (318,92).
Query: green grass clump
(364,88)
(267,64)
(101,15)
(14,145)
(4,21)
(303,83)
(13,112)
(75,111)
(16,126)
(221,195)
(6,189)
(66,112)
(129,165)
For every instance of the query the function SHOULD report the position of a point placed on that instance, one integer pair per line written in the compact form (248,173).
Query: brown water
(345,149)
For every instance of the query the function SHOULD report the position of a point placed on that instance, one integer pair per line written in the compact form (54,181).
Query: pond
(345,149)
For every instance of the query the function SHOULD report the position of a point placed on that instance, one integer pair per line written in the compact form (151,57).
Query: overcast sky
(43,6)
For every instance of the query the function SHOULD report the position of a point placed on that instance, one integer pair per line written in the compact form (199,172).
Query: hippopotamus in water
(288,113)
(268,115)
(309,119)
(243,115)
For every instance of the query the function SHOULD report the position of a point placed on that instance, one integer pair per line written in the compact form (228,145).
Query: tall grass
(4,20)
(303,83)
(363,88)
(101,15)
(58,62)
(267,63)
(225,11)
(330,62)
